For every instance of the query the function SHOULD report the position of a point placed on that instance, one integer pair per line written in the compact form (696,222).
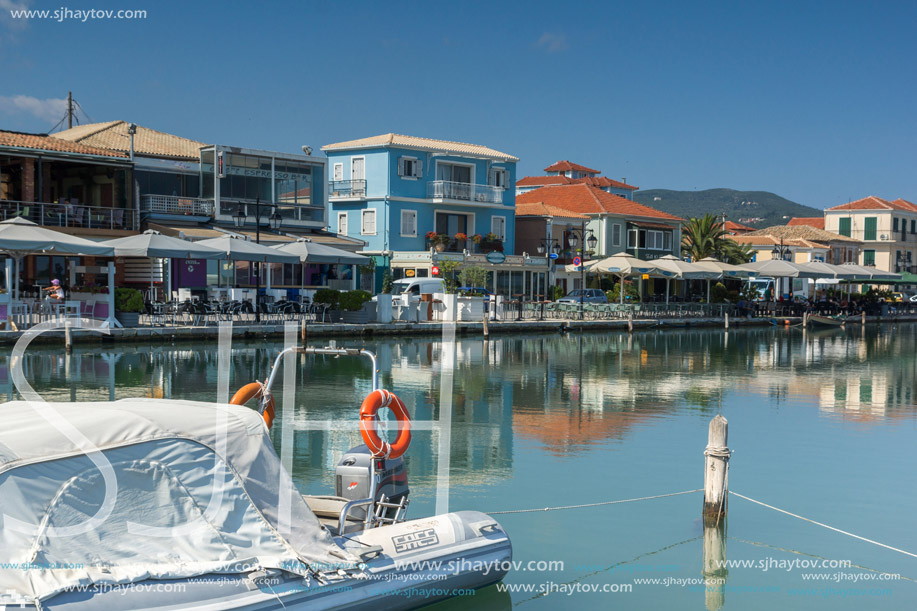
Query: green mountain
(754,208)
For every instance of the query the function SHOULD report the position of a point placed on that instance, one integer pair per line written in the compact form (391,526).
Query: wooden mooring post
(726,319)
(68,338)
(716,471)
(863,318)
(486,327)
(303,331)
(630,321)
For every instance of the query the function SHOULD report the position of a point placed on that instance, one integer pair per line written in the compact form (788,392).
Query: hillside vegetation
(755,208)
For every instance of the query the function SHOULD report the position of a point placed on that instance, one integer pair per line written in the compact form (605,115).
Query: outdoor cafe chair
(88,309)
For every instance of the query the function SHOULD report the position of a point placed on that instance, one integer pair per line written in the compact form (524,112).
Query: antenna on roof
(71,113)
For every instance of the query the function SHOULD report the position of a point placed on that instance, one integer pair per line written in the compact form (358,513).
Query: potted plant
(460,239)
(443,240)
(357,307)
(476,240)
(432,238)
(328,297)
(471,305)
(492,242)
(128,306)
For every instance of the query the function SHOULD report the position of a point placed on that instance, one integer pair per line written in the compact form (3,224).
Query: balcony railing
(70,215)
(444,189)
(340,189)
(179,206)
(291,213)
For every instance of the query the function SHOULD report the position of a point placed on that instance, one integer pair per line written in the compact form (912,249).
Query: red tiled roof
(768,240)
(604,181)
(733,226)
(43,142)
(543,209)
(877,203)
(586,199)
(566,166)
(540,181)
(907,205)
(812,221)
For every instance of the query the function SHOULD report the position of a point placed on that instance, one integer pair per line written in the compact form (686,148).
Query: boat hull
(825,321)
(421,562)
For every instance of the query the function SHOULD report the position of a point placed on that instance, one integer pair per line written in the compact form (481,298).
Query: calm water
(823,424)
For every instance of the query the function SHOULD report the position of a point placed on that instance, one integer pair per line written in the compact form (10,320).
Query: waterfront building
(418,202)
(568,173)
(195,190)
(74,188)
(804,243)
(887,229)
(732,228)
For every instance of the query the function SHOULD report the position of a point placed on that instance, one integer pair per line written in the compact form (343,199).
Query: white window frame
(502,233)
(363,215)
(414,175)
(342,216)
(404,214)
(616,235)
(338,172)
(500,176)
(667,240)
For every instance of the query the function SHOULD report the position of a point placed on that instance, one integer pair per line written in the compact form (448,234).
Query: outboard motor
(353,480)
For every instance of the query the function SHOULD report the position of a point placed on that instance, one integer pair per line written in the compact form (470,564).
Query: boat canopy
(124,491)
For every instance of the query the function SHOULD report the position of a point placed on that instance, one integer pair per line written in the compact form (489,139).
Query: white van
(417,286)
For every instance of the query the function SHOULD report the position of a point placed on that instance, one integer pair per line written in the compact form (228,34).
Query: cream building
(888,230)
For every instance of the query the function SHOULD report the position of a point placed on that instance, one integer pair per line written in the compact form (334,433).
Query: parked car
(589,296)
(898,297)
(913,298)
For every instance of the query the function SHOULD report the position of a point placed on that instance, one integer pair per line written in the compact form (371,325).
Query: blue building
(392,191)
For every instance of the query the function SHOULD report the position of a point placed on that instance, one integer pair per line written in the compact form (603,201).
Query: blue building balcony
(346,189)
(441,190)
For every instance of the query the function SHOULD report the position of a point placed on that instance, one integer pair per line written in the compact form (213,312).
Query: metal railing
(291,213)
(173,204)
(346,188)
(70,215)
(444,189)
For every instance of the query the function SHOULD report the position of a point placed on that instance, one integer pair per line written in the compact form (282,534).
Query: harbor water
(822,424)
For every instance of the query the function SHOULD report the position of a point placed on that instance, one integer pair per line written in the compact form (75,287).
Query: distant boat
(826,321)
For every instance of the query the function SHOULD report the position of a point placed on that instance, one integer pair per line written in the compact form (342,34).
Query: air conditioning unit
(884,236)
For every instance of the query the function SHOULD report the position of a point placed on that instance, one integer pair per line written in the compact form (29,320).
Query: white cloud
(551,42)
(49,109)
(6,18)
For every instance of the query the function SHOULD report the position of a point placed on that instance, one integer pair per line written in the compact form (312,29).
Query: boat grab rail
(342,519)
(337,352)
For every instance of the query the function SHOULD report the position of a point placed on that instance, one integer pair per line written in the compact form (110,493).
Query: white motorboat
(171,504)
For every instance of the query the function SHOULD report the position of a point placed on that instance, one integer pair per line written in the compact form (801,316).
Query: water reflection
(564,392)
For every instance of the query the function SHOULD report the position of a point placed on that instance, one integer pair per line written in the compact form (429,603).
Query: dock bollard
(716,471)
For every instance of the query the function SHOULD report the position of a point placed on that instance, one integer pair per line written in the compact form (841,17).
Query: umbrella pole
(621,290)
(152,268)
(708,292)
(667,291)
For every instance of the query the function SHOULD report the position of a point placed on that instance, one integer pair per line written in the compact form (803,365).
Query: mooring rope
(642,498)
(843,532)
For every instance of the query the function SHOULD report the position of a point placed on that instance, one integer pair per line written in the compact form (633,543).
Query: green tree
(736,253)
(702,237)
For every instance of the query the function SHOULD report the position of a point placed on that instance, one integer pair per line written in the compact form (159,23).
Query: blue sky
(811,100)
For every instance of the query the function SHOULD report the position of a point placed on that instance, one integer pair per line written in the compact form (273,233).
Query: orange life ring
(380,448)
(251,391)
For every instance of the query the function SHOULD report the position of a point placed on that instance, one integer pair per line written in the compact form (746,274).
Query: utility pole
(69,109)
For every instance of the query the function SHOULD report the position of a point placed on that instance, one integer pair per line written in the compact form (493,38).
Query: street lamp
(781,252)
(554,247)
(275,220)
(573,238)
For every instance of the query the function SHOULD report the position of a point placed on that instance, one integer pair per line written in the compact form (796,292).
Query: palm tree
(705,237)
(702,237)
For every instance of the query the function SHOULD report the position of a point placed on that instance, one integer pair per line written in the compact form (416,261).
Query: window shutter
(401,166)
(418,168)
(412,219)
(492,177)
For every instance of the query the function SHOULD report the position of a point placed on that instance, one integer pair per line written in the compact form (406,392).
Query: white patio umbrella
(726,269)
(625,265)
(153,244)
(312,252)
(20,237)
(685,271)
(825,270)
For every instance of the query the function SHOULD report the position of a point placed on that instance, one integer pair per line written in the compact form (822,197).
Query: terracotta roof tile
(804,232)
(543,209)
(586,199)
(733,226)
(566,166)
(604,181)
(877,203)
(812,221)
(43,142)
(113,136)
(424,144)
(541,181)
(767,240)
